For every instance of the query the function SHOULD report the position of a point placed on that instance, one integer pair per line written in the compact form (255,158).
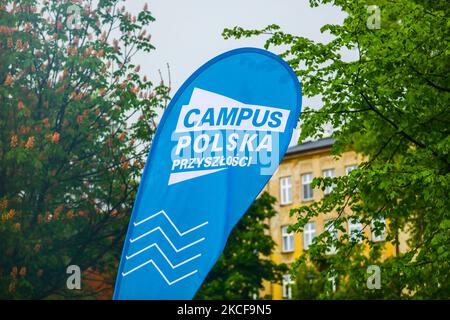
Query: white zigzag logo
(155,245)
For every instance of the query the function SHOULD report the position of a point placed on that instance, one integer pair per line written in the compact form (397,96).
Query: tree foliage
(391,104)
(245,263)
(70,153)
(309,284)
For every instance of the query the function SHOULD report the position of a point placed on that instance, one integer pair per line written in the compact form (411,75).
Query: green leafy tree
(245,263)
(390,104)
(69,154)
(309,284)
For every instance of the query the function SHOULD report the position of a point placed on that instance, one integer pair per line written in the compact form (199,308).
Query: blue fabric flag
(218,143)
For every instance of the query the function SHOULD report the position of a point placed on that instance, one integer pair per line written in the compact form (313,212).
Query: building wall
(313,161)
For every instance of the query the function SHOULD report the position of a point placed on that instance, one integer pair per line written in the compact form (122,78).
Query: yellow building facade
(290,185)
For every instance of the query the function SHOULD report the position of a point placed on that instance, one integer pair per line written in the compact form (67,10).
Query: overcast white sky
(187,33)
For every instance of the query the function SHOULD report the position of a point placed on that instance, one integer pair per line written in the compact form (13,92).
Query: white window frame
(285,190)
(287,286)
(287,240)
(382,237)
(331,228)
(307,179)
(309,233)
(350,168)
(354,225)
(333,283)
(328,173)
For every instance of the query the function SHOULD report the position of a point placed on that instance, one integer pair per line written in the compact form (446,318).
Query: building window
(380,234)
(287,286)
(309,232)
(329,173)
(331,228)
(349,169)
(354,228)
(306,186)
(333,283)
(286,190)
(288,239)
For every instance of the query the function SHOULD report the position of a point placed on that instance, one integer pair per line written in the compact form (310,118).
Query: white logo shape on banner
(155,245)
(209,111)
